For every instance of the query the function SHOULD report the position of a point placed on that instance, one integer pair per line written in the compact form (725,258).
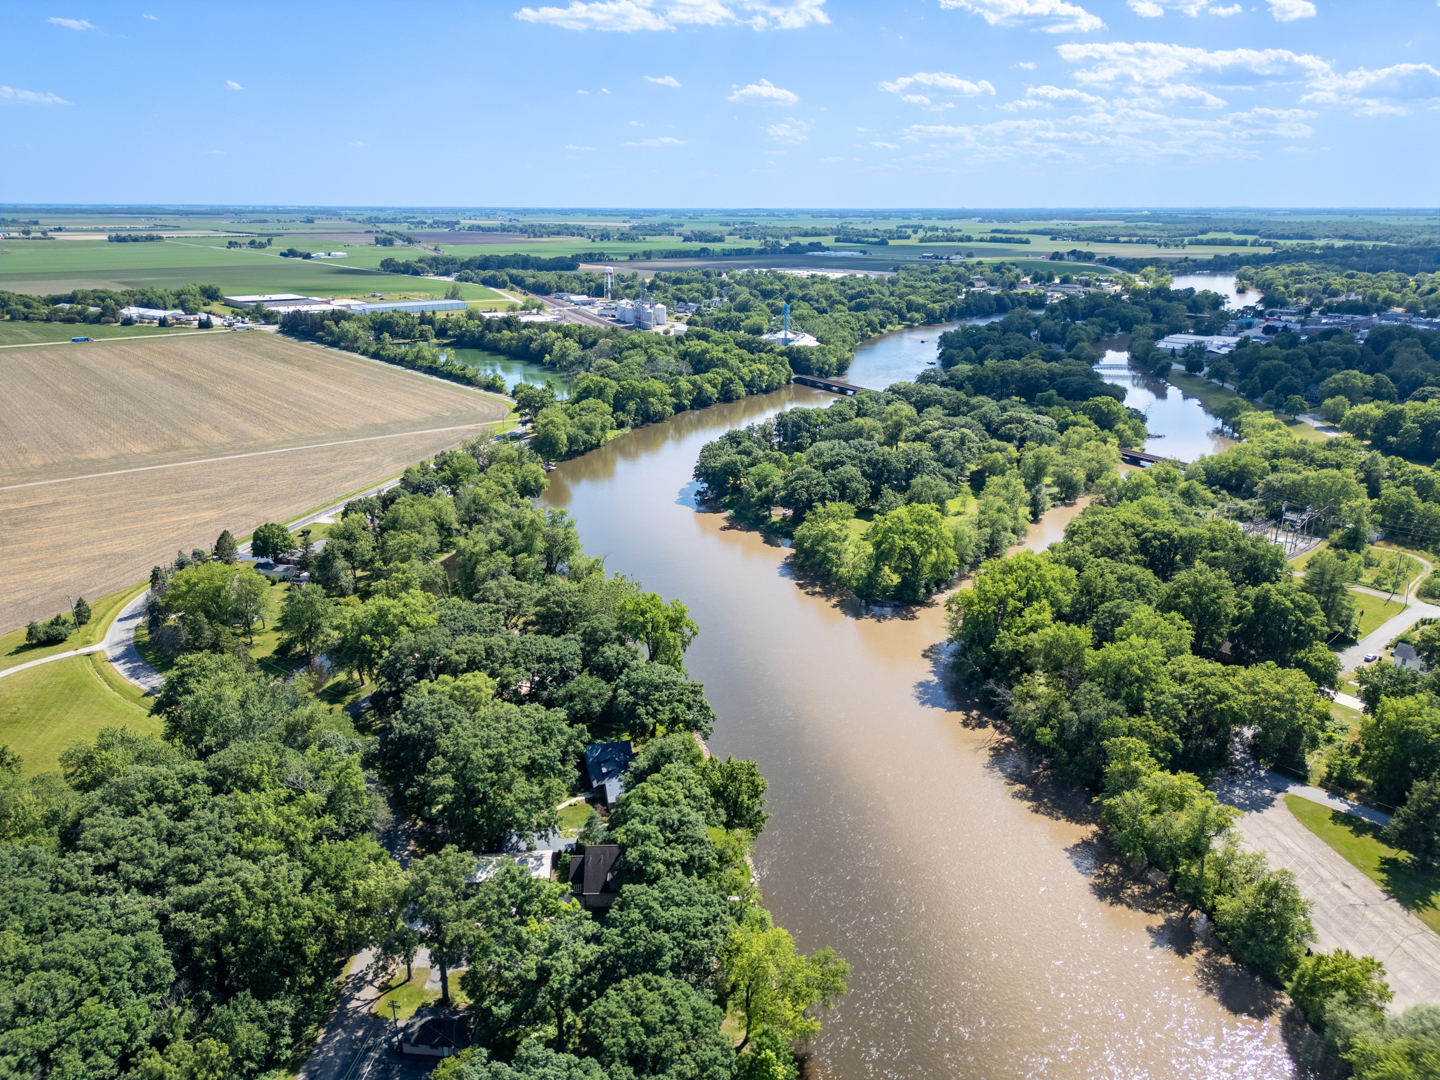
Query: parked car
(1370,658)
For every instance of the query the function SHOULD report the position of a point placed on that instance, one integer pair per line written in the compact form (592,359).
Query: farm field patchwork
(73,414)
(59,266)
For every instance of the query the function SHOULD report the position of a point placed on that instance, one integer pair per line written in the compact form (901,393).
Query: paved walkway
(1351,911)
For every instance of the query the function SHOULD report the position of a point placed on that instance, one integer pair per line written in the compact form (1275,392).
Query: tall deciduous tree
(306,618)
(771,984)
(271,539)
(440,908)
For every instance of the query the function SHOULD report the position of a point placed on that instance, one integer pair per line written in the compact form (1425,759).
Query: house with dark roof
(592,875)
(605,765)
(435,1034)
(1406,657)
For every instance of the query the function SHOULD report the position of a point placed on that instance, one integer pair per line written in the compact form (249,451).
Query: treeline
(451,264)
(371,335)
(1328,289)
(1409,259)
(179,906)
(190,299)
(134,238)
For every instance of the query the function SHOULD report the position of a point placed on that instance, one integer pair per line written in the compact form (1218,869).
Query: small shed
(592,875)
(1406,657)
(605,765)
(436,1034)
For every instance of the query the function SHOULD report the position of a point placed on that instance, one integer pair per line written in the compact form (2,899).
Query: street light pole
(395,1018)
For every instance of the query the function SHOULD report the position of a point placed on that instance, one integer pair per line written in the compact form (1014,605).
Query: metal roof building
(414,306)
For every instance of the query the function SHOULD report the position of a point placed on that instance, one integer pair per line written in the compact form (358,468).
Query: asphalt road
(1351,911)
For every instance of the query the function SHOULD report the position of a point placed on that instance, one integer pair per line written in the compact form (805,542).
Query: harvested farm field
(114,454)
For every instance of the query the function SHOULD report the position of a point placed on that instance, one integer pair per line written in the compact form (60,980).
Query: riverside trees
(180,903)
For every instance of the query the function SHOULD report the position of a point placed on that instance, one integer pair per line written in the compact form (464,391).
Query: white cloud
(1161,70)
(10,96)
(233,85)
(1045,96)
(152,18)
(939,81)
(664,140)
(1289,10)
(604,91)
(1152,9)
(1029,65)
(763,92)
(572,146)
(885,145)
(663,80)
(628,16)
(1152,63)
(1052,16)
(582,91)
(636,123)
(357,142)
(791,131)
(73,24)
(1119,132)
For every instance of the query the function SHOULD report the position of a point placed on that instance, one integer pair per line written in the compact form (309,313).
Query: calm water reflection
(901,354)
(987,934)
(1178,422)
(511,370)
(1224,284)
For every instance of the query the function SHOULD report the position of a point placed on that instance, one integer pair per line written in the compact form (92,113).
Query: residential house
(605,765)
(1406,657)
(436,1034)
(592,875)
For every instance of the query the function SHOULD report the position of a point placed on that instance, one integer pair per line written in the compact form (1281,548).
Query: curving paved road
(118,645)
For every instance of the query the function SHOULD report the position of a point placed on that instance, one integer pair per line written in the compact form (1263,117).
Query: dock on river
(835,386)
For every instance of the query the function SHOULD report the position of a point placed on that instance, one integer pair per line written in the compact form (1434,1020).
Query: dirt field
(293,425)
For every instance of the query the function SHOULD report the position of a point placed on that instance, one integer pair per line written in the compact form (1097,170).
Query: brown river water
(990,933)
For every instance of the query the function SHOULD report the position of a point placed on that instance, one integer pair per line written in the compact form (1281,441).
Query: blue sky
(729,103)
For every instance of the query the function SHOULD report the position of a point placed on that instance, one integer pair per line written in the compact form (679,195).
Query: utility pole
(395,1018)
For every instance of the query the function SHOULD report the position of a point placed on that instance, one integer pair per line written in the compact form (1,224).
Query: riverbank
(1011,946)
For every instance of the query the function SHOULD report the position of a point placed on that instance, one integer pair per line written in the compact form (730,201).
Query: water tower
(609,280)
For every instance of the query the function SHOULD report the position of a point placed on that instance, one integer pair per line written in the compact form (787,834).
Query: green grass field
(1374,611)
(45,709)
(1362,845)
(62,265)
(34,333)
(14,651)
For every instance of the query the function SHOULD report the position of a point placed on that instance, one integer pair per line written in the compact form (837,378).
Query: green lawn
(1361,844)
(572,818)
(29,333)
(411,995)
(58,266)
(1375,610)
(14,651)
(45,709)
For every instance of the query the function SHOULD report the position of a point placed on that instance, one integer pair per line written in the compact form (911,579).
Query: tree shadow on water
(1176,928)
